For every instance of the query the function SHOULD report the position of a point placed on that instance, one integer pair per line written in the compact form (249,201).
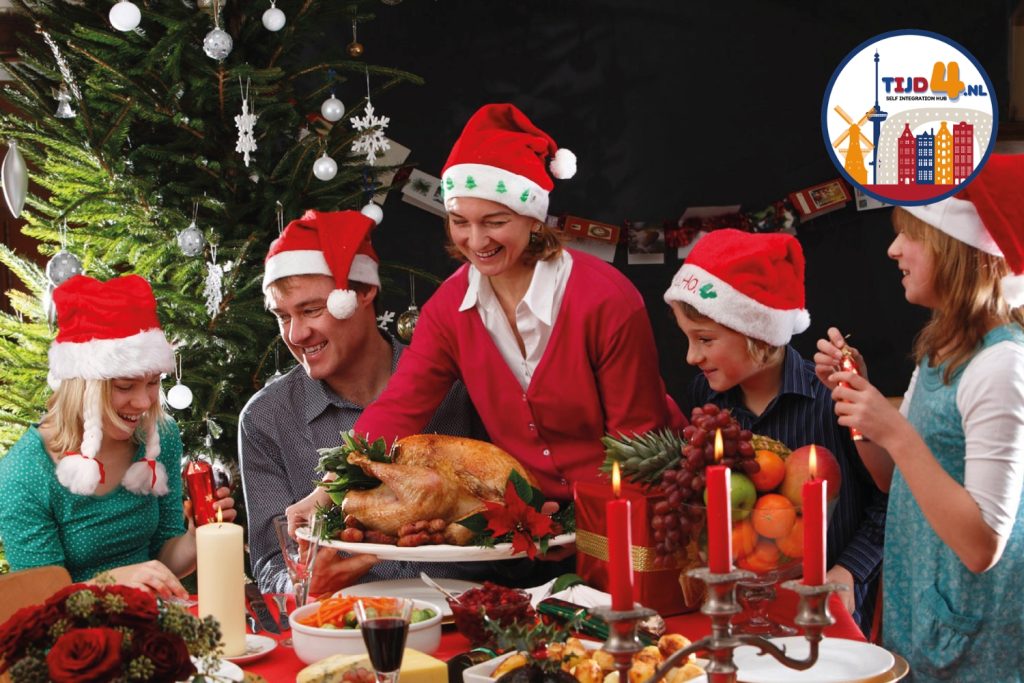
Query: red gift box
(665,589)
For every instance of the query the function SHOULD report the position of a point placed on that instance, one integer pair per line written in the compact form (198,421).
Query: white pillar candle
(221,577)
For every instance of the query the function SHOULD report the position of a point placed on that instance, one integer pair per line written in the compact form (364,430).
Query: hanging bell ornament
(217,44)
(273,18)
(273,378)
(125,16)
(15,179)
(179,396)
(373,212)
(64,110)
(355,49)
(406,323)
(325,168)
(63,266)
(191,241)
(332,109)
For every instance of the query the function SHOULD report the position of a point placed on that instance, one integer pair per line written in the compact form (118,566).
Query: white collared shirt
(535,314)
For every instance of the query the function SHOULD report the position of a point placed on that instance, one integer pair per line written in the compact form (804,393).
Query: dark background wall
(668,105)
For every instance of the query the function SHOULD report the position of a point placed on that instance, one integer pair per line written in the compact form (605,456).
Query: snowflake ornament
(246,122)
(386,319)
(214,289)
(371,140)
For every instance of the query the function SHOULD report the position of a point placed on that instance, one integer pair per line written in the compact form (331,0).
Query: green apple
(743,494)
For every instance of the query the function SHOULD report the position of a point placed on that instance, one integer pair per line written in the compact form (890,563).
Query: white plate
(221,671)
(255,647)
(838,660)
(434,553)
(411,588)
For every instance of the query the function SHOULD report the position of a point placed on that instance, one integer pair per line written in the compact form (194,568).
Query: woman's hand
(830,354)
(859,405)
(152,576)
(224,501)
(300,513)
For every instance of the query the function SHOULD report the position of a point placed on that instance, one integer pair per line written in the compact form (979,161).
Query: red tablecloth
(282,664)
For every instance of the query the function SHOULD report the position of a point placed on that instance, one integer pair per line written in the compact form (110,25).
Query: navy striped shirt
(803,413)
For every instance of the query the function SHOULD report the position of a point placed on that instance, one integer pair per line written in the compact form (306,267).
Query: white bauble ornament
(125,16)
(274,19)
(179,397)
(332,109)
(191,241)
(217,44)
(15,179)
(373,212)
(325,168)
(63,266)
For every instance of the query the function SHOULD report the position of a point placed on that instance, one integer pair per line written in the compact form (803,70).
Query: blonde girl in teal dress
(95,486)
(952,457)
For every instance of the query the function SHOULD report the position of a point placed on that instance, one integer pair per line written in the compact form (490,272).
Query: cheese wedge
(416,668)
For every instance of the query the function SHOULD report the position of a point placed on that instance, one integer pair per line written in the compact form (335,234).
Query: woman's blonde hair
(761,352)
(968,282)
(65,413)
(545,244)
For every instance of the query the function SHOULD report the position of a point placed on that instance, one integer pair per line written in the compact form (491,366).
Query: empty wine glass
(384,628)
(299,556)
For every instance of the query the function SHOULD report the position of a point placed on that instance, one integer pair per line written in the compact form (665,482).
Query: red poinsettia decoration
(525,522)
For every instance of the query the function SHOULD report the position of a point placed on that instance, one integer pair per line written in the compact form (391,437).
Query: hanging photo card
(588,229)
(866,202)
(697,212)
(820,199)
(646,244)
(390,161)
(424,191)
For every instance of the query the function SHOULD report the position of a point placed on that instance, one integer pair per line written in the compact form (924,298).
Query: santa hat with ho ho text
(752,283)
(107,330)
(332,243)
(988,214)
(502,156)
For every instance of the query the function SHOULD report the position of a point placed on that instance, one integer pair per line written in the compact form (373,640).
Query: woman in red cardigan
(554,346)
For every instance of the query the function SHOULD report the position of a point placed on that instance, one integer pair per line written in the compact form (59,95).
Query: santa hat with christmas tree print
(107,330)
(332,243)
(988,214)
(502,156)
(749,282)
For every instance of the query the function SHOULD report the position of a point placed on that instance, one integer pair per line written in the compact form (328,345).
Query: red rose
(140,607)
(28,625)
(168,654)
(85,655)
(59,597)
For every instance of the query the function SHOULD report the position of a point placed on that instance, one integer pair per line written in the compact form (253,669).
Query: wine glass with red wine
(384,629)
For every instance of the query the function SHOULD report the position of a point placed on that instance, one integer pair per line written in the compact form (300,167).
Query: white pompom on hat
(749,282)
(107,330)
(988,214)
(502,156)
(332,243)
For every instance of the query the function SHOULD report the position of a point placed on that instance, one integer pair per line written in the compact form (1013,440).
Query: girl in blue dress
(952,456)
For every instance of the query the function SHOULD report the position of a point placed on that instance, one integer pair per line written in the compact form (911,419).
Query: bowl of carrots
(328,627)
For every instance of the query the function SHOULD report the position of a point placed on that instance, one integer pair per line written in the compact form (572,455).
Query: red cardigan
(598,375)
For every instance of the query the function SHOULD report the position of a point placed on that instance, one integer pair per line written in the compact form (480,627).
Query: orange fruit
(764,558)
(773,515)
(792,544)
(772,472)
(744,538)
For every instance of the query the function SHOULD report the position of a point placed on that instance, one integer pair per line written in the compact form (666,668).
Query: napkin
(580,594)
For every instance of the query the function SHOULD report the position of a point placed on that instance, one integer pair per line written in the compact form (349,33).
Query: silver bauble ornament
(179,397)
(191,241)
(49,309)
(273,378)
(274,19)
(325,168)
(63,266)
(217,44)
(15,179)
(332,109)
(125,16)
(373,212)
(406,323)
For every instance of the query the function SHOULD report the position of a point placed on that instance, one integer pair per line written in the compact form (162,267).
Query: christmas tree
(152,168)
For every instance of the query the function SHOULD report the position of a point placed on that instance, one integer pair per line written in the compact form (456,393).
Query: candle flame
(616,479)
(812,462)
(718,445)
(220,515)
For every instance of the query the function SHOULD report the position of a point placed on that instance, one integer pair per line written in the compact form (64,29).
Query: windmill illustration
(854,153)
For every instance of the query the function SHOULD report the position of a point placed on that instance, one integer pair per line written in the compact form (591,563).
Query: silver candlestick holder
(720,605)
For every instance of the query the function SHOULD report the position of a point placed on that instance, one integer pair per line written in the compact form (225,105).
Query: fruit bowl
(502,605)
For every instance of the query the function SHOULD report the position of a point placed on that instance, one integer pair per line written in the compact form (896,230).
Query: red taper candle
(620,547)
(719,513)
(815,492)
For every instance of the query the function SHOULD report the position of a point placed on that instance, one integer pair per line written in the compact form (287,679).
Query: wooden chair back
(29,587)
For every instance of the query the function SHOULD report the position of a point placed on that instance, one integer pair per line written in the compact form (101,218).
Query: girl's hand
(152,576)
(861,406)
(830,354)
(224,501)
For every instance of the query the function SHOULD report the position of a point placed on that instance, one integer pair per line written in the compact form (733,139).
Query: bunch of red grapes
(680,515)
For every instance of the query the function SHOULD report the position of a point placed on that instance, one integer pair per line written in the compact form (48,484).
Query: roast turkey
(432,476)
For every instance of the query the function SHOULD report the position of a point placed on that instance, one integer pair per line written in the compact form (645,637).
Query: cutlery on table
(438,587)
(282,610)
(259,608)
(254,625)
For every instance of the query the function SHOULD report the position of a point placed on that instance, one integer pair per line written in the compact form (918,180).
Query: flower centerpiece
(90,633)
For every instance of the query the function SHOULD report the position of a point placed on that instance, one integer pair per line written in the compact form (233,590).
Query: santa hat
(748,282)
(988,214)
(332,243)
(501,156)
(107,330)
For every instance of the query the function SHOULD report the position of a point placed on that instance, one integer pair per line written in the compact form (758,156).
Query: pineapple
(643,459)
